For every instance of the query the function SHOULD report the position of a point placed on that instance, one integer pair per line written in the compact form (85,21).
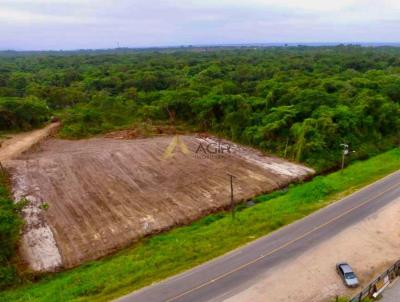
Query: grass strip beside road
(163,255)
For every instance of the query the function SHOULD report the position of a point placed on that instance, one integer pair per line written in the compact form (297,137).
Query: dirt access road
(89,198)
(15,144)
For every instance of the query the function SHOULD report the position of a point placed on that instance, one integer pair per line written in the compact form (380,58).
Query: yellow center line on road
(282,246)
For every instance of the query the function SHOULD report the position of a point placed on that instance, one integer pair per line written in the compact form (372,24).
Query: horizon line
(215,45)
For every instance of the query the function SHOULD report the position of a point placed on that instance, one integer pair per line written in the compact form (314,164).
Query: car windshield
(349,275)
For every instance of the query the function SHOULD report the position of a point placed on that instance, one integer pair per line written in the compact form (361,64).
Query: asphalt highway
(229,274)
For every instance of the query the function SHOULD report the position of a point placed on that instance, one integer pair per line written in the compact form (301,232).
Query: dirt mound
(144,132)
(125,134)
(99,195)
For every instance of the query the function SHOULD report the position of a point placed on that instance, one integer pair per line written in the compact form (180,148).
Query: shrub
(10,223)
(22,114)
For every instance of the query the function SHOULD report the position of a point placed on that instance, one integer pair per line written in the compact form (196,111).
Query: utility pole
(344,153)
(232,200)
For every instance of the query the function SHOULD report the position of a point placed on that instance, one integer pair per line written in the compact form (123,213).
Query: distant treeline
(301,102)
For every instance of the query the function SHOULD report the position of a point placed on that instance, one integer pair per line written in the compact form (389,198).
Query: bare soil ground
(370,246)
(14,144)
(89,198)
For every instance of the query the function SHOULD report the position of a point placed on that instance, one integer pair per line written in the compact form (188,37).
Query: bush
(10,223)
(8,276)
(22,114)
(102,114)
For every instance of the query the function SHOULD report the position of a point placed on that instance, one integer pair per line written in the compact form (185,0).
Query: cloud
(16,17)
(69,24)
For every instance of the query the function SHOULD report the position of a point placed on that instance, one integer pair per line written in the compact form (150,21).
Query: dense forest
(297,102)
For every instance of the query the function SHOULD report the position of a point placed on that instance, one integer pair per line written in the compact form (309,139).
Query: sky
(92,24)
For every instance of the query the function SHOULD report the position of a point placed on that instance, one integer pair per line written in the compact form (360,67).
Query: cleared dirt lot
(89,198)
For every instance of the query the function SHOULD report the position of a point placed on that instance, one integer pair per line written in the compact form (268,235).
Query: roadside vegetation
(10,224)
(340,299)
(296,102)
(163,255)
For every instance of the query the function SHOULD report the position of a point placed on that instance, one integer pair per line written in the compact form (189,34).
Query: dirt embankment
(41,252)
(100,195)
(370,246)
